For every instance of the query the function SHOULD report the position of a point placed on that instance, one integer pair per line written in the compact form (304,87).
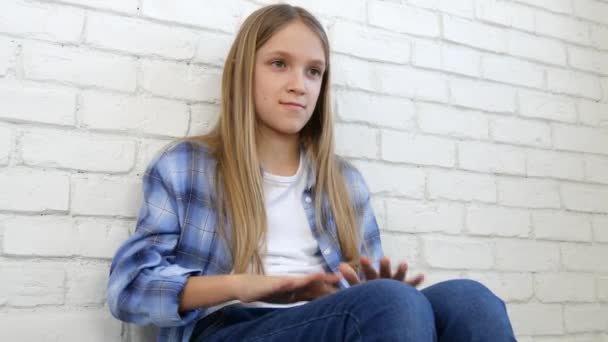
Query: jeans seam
(353,317)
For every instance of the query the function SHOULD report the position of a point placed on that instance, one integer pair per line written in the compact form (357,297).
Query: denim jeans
(379,310)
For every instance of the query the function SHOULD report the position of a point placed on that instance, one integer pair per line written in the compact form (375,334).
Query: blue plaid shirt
(176,238)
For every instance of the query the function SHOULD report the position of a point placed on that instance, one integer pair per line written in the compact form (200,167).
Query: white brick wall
(481,127)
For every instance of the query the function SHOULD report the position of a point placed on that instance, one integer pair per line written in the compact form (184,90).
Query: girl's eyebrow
(288,55)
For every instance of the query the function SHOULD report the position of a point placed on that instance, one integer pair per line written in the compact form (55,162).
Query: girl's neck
(279,154)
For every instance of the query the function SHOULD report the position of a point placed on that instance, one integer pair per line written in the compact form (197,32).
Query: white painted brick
(564,287)
(585,257)
(79,66)
(403,19)
(91,325)
(455,253)
(86,284)
(525,318)
(432,277)
(593,10)
(602,288)
(474,34)
(126,6)
(526,255)
(511,70)
(419,217)
(343,66)
(528,193)
(589,60)
(44,21)
(574,83)
(599,36)
(497,221)
(100,238)
(33,191)
(399,248)
(148,149)
(140,37)
(394,180)
(79,151)
(581,139)
(181,81)
(8,49)
(203,117)
(30,284)
(377,110)
(461,60)
(542,163)
(23,101)
(568,338)
(596,169)
(6,144)
(455,185)
(356,141)
(604,86)
(585,317)
(106,111)
(507,286)
(212,48)
(105,196)
(463,8)
(426,53)
(355,10)
(593,113)
(491,158)
(444,120)
(587,198)
(482,95)
(505,13)
(559,6)
(369,43)
(561,226)
(379,210)
(40,235)
(542,105)
(600,228)
(417,149)
(562,27)
(521,132)
(536,48)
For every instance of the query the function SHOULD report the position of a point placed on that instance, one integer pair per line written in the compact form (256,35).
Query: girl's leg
(379,310)
(466,310)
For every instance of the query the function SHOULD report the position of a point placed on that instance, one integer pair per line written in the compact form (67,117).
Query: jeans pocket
(207,326)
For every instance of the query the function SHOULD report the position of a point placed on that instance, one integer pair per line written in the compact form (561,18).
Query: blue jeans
(379,310)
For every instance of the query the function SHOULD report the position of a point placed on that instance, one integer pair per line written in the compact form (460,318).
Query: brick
(596,169)
(125,6)
(574,83)
(524,318)
(507,14)
(457,253)
(497,221)
(455,185)
(528,193)
(100,238)
(491,158)
(426,53)
(462,8)
(379,210)
(437,276)
(181,81)
(79,66)
(585,317)
(580,139)
(546,106)
(600,228)
(445,120)
(64,149)
(22,101)
(604,86)
(602,288)
(585,257)
(589,60)
(148,149)
(203,117)
(387,111)
(460,60)
(45,21)
(212,48)
(140,37)
(403,19)
(6,144)
(356,141)
(27,284)
(593,113)
(86,284)
(599,36)
(8,49)
(412,216)
(536,48)
(399,248)
(33,191)
(40,236)
(593,10)
(564,287)
(106,111)
(561,27)
(355,10)
(394,180)
(586,198)
(561,226)
(102,196)
(568,338)
(513,71)
(82,324)
(507,286)
(558,6)
(368,43)
(482,95)
(417,149)
(521,132)
(542,163)
(474,34)
(526,255)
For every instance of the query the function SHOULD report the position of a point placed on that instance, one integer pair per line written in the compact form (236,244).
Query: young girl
(259,232)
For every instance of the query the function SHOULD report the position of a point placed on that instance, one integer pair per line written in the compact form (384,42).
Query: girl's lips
(293,105)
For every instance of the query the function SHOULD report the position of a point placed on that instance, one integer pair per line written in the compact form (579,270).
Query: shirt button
(327,251)
(308,199)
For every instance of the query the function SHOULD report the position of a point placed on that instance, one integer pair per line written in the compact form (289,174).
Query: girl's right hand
(285,289)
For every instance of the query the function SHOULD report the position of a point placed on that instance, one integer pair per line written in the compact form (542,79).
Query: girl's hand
(385,272)
(285,289)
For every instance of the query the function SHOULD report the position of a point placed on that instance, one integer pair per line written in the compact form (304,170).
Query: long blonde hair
(239,193)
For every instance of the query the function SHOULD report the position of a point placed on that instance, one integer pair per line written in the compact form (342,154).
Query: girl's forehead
(295,40)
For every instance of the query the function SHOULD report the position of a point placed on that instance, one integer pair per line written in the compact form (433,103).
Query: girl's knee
(397,295)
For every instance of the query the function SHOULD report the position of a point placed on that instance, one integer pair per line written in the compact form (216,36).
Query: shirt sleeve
(145,284)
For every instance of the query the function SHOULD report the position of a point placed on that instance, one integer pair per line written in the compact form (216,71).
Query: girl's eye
(315,72)
(278,64)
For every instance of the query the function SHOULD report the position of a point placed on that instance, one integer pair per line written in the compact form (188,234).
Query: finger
(349,274)
(368,269)
(385,267)
(401,271)
(417,280)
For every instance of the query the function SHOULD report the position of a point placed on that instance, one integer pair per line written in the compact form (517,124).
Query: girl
(259,232)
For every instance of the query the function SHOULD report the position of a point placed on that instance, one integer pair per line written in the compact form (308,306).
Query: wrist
(235,286)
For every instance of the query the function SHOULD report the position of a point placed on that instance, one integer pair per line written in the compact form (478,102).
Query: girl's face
(288,75)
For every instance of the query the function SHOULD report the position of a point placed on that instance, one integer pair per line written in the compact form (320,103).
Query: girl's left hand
(385,272)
